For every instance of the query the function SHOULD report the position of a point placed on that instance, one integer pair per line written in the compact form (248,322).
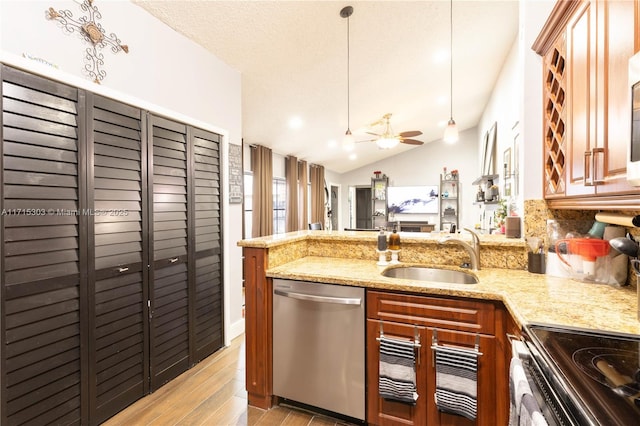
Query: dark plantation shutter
(208,282)
(110,252)
(43,250)
(169,276)
(119,334)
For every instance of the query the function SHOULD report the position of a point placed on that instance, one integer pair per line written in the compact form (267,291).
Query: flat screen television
(412,199)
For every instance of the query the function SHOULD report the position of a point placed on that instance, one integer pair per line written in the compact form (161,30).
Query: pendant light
(348,142)
(451,132)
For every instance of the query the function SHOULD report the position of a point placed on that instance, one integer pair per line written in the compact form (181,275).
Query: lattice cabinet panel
(555,118)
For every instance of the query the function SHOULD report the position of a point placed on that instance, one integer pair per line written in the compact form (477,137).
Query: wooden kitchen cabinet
(457,323)
(586,46)
(385,412)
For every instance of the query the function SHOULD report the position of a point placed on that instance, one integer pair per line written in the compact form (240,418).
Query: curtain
(262,167)
(317,194)
(291,176)
(303,195)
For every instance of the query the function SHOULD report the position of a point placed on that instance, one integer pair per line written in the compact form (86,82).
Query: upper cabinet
(586,46)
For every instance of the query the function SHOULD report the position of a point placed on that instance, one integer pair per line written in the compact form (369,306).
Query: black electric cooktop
(600,369)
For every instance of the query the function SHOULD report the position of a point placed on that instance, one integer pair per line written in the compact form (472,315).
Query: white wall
(533,15)
(423,166)
(516,104)
(163,72)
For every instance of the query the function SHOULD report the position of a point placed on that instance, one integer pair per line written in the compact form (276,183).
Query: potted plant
(500,214)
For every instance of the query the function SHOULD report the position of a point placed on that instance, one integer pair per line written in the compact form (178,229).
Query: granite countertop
(411,238)
(530,298)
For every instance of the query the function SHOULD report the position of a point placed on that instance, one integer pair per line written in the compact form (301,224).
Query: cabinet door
(616,25)
(487,396)
(119,363)
(169,277)
(385,412)
(581,132)
(43,251)
(207,289)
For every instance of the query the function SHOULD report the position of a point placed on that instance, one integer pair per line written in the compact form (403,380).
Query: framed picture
(507,189)
(516,163)
(236,175)
(489,154)
(506,160)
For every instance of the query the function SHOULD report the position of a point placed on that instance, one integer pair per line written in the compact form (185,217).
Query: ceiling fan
(387,139)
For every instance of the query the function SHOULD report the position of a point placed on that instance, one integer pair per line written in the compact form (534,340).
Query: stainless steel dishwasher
(318,345)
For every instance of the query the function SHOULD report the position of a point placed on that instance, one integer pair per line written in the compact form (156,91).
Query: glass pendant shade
(451,132)
(348,142)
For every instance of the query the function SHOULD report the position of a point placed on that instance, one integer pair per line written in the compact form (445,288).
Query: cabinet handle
(121,270)
(598,166)
(174,260)
(588,168)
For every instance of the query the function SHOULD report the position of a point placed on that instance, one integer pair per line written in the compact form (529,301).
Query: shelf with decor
(379,210)
(488,191)
(449,202)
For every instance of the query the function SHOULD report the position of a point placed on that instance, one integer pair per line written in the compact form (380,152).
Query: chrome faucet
(473,249)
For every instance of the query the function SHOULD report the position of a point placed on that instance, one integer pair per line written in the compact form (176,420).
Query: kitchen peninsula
(505,298)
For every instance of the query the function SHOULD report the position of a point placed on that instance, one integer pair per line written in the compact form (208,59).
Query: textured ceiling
(293,60)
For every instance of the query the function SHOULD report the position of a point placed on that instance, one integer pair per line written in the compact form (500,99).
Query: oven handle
(518,347)
(322,299)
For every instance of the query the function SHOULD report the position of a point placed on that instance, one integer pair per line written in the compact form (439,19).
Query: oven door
(550,401)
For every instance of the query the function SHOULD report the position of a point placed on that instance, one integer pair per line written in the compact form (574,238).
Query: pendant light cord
(451,60)
(348,79)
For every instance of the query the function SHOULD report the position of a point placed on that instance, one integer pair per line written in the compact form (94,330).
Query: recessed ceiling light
(353,156)
(442,100)
(442,123)
(295,122)
(332,143)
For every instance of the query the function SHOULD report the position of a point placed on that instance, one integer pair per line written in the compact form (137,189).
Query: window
(279,205)
(248,203)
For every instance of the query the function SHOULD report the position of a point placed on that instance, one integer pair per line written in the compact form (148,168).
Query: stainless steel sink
(420,273)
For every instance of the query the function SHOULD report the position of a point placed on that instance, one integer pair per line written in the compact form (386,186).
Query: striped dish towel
(397,375)
(457,382)
(530,414)
(518,386)
(524,409)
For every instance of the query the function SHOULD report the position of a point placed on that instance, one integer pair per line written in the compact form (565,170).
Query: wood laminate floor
(212,393)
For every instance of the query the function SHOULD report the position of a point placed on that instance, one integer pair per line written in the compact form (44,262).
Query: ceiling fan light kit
(387,142)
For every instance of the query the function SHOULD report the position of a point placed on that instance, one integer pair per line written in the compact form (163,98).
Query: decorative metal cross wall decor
(91,31)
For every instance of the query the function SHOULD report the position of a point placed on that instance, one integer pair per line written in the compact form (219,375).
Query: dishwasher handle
(321,299)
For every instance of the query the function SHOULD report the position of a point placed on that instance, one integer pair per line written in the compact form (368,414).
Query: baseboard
(236,329)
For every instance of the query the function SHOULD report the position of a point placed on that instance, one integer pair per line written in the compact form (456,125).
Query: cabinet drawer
(463,315)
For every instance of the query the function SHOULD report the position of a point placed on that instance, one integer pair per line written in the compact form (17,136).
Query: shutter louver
(41,249)
(170,296)
(208,283)
(120,351)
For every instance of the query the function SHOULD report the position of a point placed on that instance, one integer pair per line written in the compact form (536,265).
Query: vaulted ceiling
(293,59)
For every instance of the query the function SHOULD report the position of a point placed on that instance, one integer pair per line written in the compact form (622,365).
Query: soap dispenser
(394,240)
(382,240)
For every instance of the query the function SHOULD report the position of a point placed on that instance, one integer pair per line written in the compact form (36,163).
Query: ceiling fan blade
(374,134)
(411,141)
(366,140)
(410,134)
